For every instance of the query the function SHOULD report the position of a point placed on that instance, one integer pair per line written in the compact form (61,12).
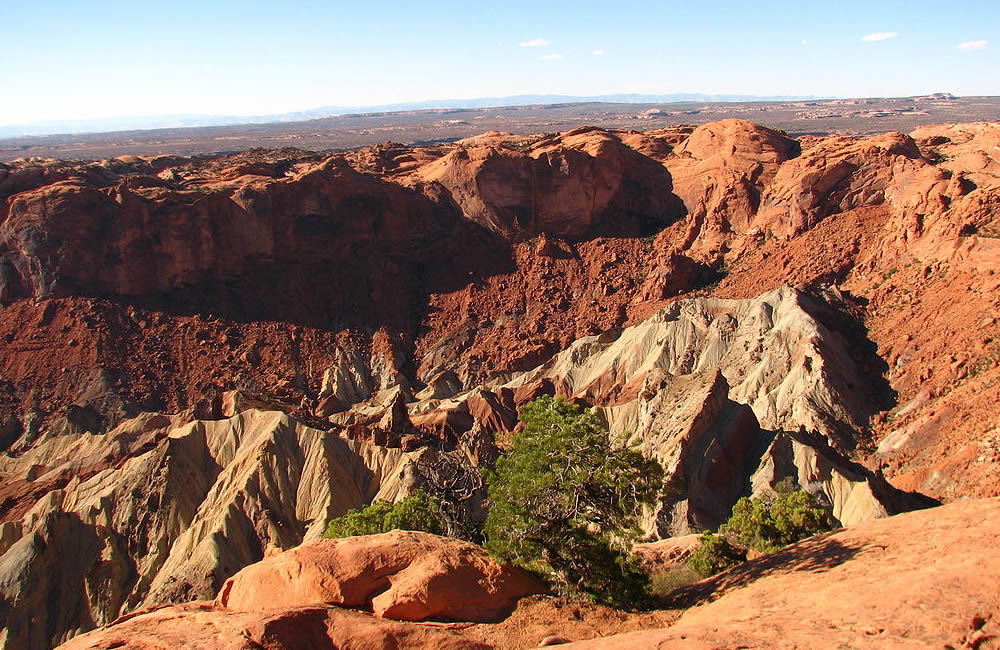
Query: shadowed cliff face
(349,242)
(575,185)
(324,247)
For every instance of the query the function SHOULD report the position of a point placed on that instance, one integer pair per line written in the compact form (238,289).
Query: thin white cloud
(805,42)
(598,52)
(537,42)
(550,57)
(879,36)
(973,45)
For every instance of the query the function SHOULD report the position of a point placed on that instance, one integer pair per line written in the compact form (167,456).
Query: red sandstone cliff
(404,299)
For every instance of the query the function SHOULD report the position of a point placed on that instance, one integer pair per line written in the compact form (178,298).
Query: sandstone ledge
(921,579)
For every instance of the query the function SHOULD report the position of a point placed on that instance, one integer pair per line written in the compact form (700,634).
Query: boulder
(404,575)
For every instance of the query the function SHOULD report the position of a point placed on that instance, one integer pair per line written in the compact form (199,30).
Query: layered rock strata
(173,522)
(649,275)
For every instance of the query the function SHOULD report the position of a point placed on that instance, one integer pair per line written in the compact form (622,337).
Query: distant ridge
(137,123)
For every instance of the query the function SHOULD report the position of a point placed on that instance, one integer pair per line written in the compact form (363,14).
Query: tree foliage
(763,524)
(565,504)
(714,555)
(419,511)
(771,522)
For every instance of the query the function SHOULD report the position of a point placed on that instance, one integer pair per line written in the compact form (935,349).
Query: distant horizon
(125,123)
(195,120)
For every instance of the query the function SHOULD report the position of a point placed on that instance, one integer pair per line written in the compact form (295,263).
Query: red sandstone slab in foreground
(925,579)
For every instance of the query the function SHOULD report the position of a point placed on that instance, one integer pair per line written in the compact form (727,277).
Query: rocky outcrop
(249,241)
(717,391)
(719,172)
(672,275)
(707,444)
(173,522)
(714,451)
(402,575)
(834,175)
(854,493)
(196,626)
(776,357)
(947,212)
(921,579)
(571,185)
(357,375)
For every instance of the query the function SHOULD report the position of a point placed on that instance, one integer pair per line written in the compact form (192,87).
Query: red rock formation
(404,575)
(720,171)
(338,287)
(673,275)
(290,236)
(834,175)
(200,625)
(572,185)
(269,239)
(892,583)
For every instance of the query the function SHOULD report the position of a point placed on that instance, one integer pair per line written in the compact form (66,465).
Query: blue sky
(80,59)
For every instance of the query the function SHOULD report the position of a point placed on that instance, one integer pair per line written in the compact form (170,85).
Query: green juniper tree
(770,522)
(565,503)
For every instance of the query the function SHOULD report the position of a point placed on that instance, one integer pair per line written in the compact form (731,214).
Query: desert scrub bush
(714,555)
(419,511)
(565,504)
(773,521)
(666,581)
(763,524)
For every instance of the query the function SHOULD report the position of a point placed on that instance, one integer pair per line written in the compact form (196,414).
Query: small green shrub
(769,523)
(763,524)
(419,511)
(714,555)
